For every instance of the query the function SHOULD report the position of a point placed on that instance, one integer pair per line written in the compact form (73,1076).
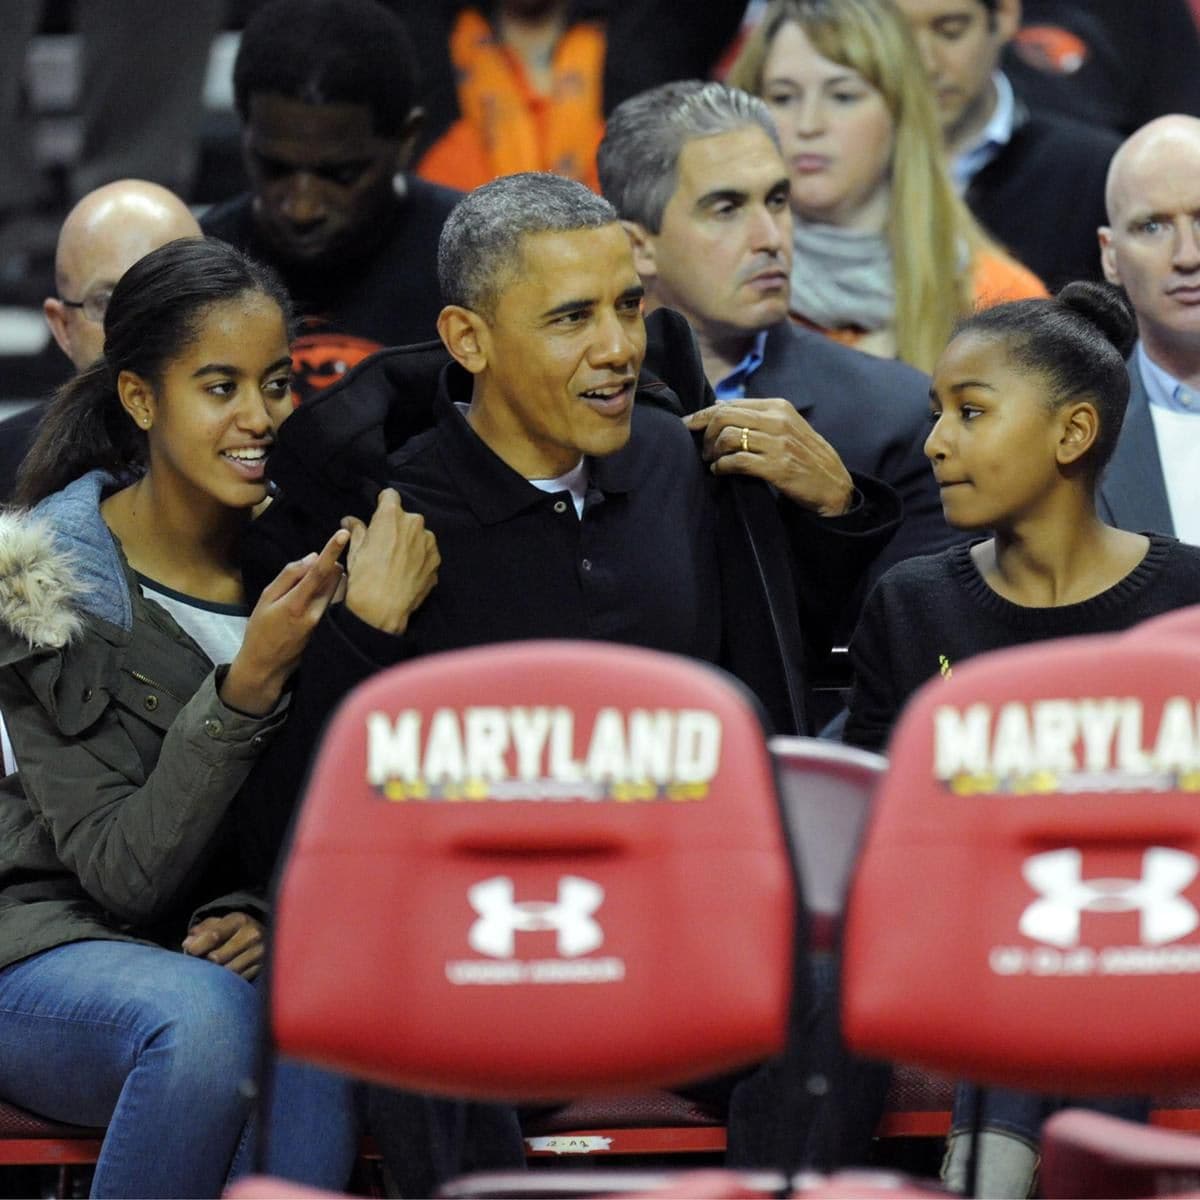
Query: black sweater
(928,614)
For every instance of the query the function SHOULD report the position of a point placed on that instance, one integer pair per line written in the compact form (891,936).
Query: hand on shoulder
(769,439)
(391,565)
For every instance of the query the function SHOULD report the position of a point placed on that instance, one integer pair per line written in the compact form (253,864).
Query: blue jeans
(1021,1114)
(317,1118)
(160,1047)
(153,1044)
(314,1129)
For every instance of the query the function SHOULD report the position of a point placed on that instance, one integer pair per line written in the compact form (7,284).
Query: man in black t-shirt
(326,93)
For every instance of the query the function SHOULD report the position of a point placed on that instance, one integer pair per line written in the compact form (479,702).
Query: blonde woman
(887,256)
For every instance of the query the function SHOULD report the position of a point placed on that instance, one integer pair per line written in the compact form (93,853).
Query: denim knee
(201,1024)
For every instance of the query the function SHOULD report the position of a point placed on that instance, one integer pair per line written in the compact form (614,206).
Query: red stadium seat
(29,1140)
(565,870)
(1026,910)
(826,790)
(1182,622)
(713,1184)
(1089,1154)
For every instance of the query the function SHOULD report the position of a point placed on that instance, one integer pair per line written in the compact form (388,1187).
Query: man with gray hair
(566,496)
(586,514)
(696,173)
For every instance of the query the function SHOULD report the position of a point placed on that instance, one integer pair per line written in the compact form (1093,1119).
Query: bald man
(1151,247)
(102,237)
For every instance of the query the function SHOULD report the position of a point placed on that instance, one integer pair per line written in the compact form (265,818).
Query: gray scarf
(841,277)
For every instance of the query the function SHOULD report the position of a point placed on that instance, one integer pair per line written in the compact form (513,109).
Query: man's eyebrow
(1138,215)
(634,292)
(326,163)
(568,306)
(722,195)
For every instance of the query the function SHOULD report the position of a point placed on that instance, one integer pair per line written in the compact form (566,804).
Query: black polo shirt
(639,567)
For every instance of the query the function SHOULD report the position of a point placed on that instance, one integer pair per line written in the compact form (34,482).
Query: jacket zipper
(151,683)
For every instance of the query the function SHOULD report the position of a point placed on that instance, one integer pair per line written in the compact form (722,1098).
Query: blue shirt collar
(733,386)
(1164,390)
(993,137)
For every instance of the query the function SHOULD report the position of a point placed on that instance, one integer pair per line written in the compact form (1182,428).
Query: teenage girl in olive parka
(126,950)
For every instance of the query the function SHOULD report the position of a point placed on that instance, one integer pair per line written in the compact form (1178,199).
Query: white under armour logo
(1055,918)
(500,917)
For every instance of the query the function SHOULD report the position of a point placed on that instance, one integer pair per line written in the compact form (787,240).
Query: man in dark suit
(1151,247)
(696,174)
(1008,157)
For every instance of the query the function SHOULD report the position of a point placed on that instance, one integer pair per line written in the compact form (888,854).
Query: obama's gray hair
(639,156)
(480,246)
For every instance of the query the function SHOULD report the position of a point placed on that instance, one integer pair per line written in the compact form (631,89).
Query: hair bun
(1105,306)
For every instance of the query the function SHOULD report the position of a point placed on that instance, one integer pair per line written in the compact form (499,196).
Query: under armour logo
(1165,914)
(570,916)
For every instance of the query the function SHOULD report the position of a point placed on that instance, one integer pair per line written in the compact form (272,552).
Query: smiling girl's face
(996,443)
(212,417)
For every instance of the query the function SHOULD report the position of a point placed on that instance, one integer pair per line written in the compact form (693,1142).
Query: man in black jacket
(696,173)
(559,506)
(1034,179)
(566,496)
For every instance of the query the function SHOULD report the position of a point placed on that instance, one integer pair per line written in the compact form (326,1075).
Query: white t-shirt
(574,481)
(217,629)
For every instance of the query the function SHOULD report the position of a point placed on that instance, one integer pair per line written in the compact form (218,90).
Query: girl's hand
(279,628)
(236,941)
(391,566)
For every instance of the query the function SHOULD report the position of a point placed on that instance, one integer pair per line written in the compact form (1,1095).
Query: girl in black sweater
(1026,406)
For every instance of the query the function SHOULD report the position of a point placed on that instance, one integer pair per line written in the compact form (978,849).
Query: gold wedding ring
(745,439)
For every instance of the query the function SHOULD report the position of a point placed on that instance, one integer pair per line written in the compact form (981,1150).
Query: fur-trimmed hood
(39,587)
(58,564)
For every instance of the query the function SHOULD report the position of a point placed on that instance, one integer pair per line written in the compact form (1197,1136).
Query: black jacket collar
(493,489)
(334,449)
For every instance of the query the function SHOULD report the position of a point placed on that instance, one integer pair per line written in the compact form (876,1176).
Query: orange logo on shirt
(1051,48)
(322,357)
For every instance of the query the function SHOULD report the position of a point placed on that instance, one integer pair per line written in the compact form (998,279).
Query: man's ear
(645,260)
(137,399)
(56,317)
(1007,19)
(1081,427)
(466,335)
(1108,257)
(408,137)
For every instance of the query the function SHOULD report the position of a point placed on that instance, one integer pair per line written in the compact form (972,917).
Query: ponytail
(83,428)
